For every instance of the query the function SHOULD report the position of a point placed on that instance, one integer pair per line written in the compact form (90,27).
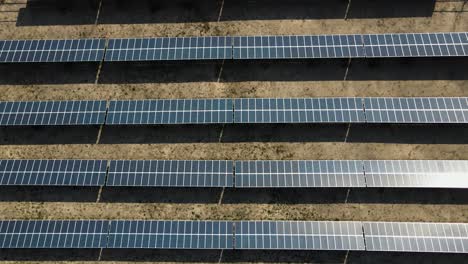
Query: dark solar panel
(416,237)
(171,234)
(416,173)
(157,49)
(171,173)
(77,50)
(52,113)
(299,110)
(299,235)
(176,111)
(298,47)
(416,45)
(53,172)
(53,234)
(416,110)
(295,173)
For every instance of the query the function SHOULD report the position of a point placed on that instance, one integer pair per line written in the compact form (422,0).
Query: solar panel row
(429,110)
(53,172)
(157,49)
(52,113)
(245,47)
(66,50)
(352,174)
(239,174)
(270,235)
(172,111)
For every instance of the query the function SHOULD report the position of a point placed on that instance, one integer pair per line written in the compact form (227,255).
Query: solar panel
(298,110)
(158,49)
(416,45)
(65,50)
(298,47)
(53,172)
(416,174)
(53,234)
(289,235)
(171,234)
(416,110)
(171,111)
(416,237)
(171,173)
(299,173)
(52,113)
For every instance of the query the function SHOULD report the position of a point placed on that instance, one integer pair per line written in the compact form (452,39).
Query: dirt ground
(76,19)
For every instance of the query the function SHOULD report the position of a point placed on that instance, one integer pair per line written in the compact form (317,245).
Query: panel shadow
(344,195)
(360,133)
(388,9)
(284,70)
(284,195)
(160,195)
(408,196)
(42,135)
(156,72)
(409,133)
(441,68)
(218,133)
(49,254)
(56,12)
(235,133)
(404,258)
(228,256)
(47,73)
(160,134)
(48,194)
(237,71)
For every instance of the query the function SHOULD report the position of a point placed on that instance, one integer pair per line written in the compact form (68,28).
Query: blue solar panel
(416,237)
(416,173)
(77,50)
(52,113)
(299,174)
(298,47)
(175,111)
(171,173)
(53,234)
(416,45)
(157,49)
(171,234)
(416,110)
(299,110)
(53,172)
(291,235)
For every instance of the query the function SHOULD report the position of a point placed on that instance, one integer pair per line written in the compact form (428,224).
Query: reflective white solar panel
(299,174)
(171,234)
(298,47)
(291,235)
(53,234)
(52,113)
(416,173)
(53,172)
(170,111)
(65,50)
(416,110)
(417,45)
(416,237)
(158,49)
(171,173)
(298,110)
